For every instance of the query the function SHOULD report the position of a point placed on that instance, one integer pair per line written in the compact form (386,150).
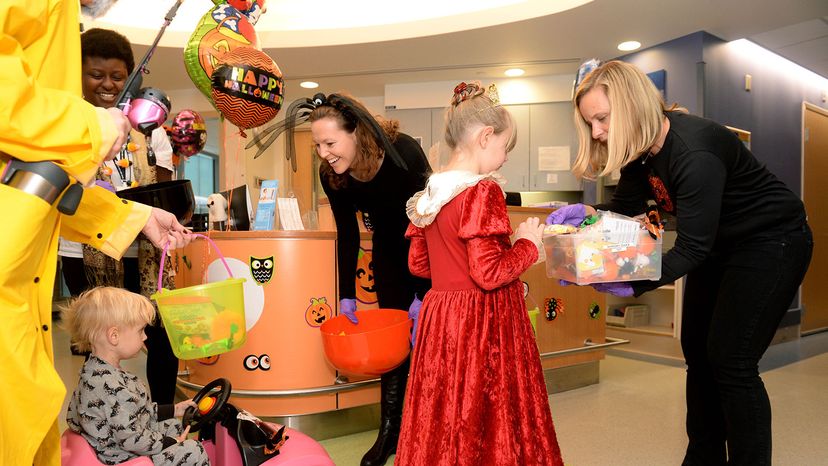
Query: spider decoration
(554,307)
(594,310)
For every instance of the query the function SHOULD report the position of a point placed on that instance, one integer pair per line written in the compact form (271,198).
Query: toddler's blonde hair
(94,311)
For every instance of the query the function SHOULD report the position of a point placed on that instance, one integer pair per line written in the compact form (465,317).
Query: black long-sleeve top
(383,199)
(718,191)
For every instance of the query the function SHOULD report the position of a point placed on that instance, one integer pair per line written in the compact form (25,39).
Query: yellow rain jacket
(43,117)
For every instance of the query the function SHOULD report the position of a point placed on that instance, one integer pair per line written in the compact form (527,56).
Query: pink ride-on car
(229,439)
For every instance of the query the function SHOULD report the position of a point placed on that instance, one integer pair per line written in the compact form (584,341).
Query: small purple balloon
(188,133)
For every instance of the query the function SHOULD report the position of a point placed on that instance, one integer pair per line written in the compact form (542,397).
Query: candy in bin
(608,248)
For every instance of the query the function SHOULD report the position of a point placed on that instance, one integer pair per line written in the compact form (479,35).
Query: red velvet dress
(476,394)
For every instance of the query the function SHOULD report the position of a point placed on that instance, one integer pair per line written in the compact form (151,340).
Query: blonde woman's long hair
(636,117)
(90,315)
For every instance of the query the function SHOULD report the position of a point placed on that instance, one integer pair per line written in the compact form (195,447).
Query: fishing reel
(148,110)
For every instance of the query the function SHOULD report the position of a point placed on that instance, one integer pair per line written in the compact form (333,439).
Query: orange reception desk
(290,290)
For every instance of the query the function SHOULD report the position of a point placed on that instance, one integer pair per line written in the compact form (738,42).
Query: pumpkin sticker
(318,312)
(209,360)
(365,291)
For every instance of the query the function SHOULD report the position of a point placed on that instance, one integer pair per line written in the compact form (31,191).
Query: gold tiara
(493,95)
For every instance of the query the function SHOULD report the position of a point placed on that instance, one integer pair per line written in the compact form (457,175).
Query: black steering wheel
(194,418)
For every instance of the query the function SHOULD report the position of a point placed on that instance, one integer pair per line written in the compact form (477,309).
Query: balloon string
(206,254)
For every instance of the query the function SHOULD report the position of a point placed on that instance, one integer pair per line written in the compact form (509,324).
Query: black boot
(391,404)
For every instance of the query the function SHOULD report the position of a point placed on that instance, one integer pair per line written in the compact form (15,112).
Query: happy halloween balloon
(224,28)
(248,87)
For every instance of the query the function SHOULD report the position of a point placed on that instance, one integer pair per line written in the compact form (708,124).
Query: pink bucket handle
(164,256)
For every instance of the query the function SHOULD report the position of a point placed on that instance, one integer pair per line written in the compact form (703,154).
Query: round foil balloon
(225,27)
(188,133)
(248,87)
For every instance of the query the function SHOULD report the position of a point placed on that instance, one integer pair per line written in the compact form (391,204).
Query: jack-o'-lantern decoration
(365,290)
(318,312)
(209,360)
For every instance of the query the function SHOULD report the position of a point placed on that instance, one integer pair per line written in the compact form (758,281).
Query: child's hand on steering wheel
(182,406)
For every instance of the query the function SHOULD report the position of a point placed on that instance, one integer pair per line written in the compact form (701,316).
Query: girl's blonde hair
(369,151)
(89,315)
(470,107)
(636,116)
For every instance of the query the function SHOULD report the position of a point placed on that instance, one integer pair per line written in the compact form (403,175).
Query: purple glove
(567,215)
(347,307)
(414,314)
(621,289)
(105,185)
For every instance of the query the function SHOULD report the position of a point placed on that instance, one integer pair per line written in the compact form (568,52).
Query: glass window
(202,171)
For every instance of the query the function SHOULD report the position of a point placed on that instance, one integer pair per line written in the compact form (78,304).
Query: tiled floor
(635,415)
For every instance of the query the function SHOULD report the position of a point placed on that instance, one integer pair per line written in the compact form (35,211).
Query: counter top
(267,234)
(530,210)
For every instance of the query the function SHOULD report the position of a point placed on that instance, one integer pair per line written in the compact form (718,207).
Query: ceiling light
(629,45)
(309,84)
(514,72)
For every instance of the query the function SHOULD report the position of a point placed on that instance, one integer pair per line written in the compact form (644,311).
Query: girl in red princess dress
(476,394)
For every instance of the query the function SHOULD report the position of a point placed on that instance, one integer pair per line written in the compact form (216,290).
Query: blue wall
(771,111)
(679,59)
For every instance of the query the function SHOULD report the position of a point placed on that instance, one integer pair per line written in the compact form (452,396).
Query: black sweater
(383,199)
(719,192)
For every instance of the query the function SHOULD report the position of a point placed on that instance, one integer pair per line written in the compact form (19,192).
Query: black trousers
(74,274)
(733,305)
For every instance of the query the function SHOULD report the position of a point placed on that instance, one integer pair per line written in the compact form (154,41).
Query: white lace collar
(442,187)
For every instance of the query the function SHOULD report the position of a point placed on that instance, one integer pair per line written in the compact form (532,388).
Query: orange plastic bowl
(374,346)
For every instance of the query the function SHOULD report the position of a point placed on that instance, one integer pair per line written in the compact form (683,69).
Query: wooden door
(305,178)
(815,196)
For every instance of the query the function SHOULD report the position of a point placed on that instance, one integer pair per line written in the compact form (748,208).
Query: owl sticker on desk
(261,268)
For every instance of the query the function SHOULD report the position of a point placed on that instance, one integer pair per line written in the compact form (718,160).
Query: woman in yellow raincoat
(44,118)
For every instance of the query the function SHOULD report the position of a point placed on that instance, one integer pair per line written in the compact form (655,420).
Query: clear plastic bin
(593,257)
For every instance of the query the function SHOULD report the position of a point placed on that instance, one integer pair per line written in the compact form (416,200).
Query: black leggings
(74,274)
(733,304)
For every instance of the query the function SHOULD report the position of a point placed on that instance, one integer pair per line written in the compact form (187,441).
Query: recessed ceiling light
(629,45)
(513,72)
(309,84)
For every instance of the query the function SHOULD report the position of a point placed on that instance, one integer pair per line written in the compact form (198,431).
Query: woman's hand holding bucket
(163,228)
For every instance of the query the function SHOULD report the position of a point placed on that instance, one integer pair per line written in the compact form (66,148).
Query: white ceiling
(552,44)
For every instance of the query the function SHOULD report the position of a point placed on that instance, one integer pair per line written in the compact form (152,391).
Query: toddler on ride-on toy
(110,407)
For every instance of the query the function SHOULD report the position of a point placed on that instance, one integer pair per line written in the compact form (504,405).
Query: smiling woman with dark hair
(371,167)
